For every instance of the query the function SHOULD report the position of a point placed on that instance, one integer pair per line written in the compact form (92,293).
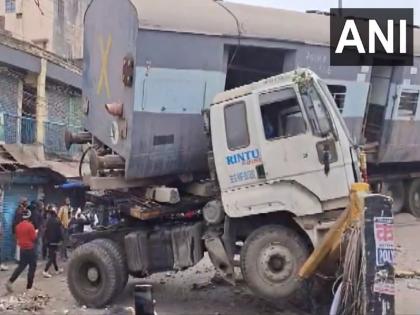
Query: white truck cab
(280,144)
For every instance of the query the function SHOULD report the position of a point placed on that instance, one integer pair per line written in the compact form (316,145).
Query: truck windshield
(327,93)
(317,112)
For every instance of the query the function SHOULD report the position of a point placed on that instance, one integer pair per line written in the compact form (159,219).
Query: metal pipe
(106,162)
(76,138)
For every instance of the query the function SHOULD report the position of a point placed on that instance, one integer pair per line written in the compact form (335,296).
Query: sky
(325,5)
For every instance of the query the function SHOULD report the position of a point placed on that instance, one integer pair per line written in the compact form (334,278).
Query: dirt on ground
(193,292)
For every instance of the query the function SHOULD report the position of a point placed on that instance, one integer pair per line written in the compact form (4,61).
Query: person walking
(53,237)
(45,217)
(22,207)
(26,238)
(64,216)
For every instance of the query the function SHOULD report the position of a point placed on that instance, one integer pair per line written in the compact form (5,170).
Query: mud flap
(219,258)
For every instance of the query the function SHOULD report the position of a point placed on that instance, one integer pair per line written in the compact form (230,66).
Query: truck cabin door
(236,151)
(298,141)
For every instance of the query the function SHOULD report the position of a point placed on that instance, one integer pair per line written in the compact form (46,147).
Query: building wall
(68,28)
(60,26)
(64,112)
(28,23)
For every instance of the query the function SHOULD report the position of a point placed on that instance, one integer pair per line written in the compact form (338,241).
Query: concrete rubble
(29,302)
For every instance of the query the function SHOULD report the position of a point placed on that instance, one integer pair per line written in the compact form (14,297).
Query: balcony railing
(13,127)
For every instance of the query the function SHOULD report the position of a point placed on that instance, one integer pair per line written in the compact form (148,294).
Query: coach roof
(209,18)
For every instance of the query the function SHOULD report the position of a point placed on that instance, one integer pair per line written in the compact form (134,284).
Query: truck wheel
(395,190)
(270,261)
(414,198)
(117,254)
(92,276)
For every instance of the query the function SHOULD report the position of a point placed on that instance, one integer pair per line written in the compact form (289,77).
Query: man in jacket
(22,207)
(53,237)
(26,238)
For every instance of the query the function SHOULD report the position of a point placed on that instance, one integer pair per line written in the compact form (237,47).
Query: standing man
(40,226)
(45,217)
(53,237)
(26,238)
(64,216)
(22,207)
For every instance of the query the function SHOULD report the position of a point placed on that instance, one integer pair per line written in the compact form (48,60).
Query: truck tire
(117,254)
(395,190)
(270,262)
(413,198)
(92,276)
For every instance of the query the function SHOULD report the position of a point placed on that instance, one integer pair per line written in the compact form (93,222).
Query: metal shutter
(12,195)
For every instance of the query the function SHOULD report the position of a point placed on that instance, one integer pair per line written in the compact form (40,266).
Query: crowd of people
(41,231)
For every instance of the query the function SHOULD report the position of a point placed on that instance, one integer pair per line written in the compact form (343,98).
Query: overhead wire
(238,26)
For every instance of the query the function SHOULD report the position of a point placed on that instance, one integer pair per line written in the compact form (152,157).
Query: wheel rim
(276,263)
(89,278)
(93,274)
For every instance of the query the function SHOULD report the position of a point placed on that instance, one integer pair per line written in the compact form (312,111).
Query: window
(281,114)
(338,92)
(10,6)
(237,134)
(318,115)
(408,103)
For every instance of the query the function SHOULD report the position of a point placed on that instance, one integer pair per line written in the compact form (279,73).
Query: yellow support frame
(332,240)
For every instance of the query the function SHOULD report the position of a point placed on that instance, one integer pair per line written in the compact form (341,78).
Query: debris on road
(119,310)
(405,274)
(25,302)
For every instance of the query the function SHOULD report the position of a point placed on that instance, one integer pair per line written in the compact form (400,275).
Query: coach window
(408,103)
(237,134)
(338,92)
(281,114)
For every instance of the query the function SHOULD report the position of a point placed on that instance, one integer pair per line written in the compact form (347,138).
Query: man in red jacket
(26,239)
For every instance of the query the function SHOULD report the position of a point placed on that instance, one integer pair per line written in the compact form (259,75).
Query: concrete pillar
(41,103)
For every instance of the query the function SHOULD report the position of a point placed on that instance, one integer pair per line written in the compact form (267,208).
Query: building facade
(55,25)
(40,97)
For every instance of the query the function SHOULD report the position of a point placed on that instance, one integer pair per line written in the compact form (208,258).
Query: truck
(280,165)
(196,158)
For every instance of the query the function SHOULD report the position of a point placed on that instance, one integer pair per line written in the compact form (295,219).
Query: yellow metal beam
(332,239)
